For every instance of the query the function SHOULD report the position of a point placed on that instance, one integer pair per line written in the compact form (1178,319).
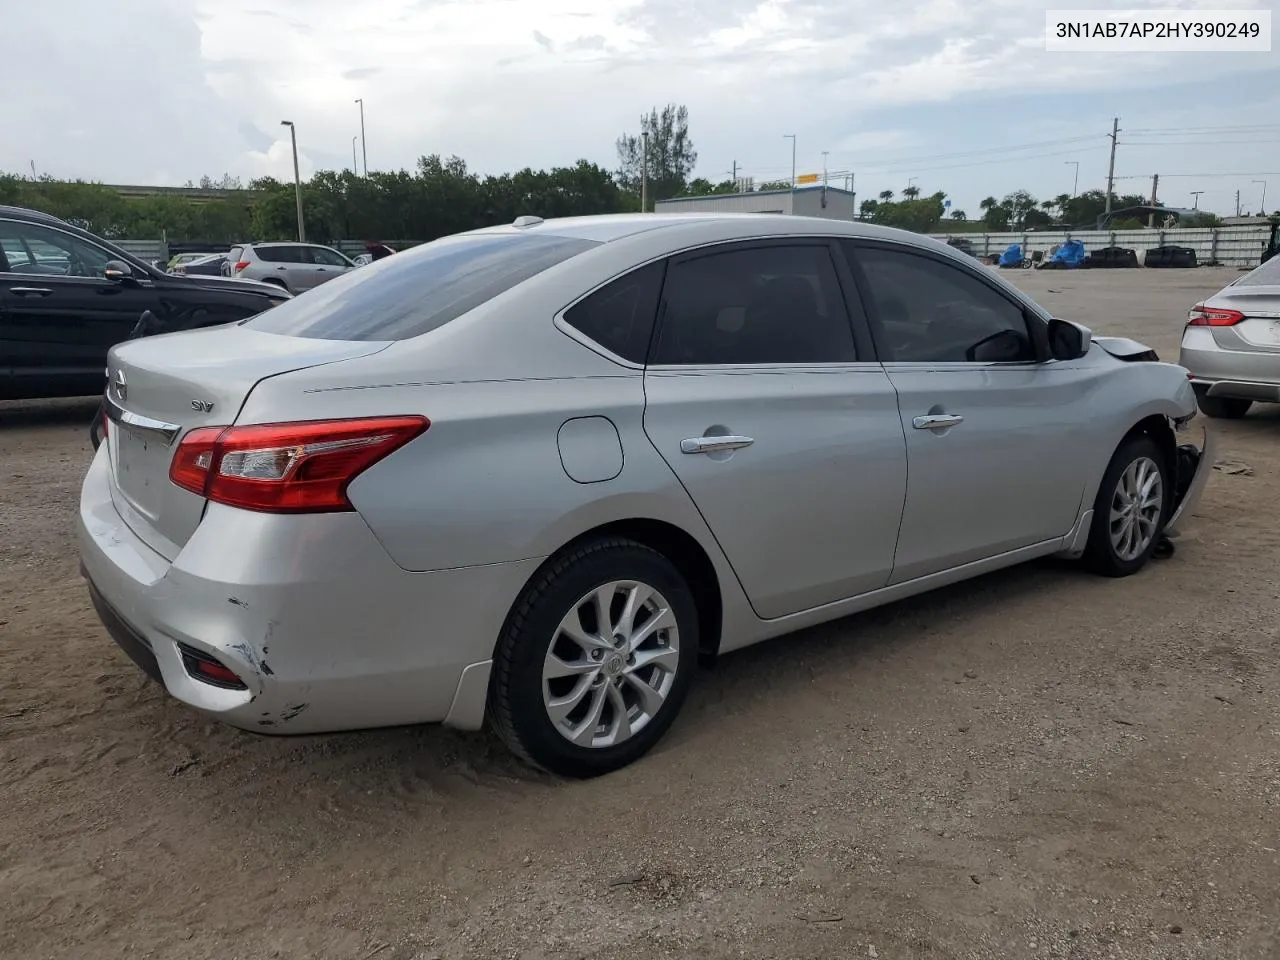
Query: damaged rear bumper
(322,628)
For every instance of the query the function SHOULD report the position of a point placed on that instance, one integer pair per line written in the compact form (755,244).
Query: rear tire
(1221,408)
(1130,509)
(579,697)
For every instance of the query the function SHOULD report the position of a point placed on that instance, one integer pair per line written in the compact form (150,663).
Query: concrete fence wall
(1235,246)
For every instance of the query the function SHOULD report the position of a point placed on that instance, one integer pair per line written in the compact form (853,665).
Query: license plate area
(141,459)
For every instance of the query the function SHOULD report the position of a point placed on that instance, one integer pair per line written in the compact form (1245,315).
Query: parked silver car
(294,266)
(1231,344)
(533,472)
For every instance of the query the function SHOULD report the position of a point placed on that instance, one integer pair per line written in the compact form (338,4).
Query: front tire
(595,659)
(1130,509)
(1221,408)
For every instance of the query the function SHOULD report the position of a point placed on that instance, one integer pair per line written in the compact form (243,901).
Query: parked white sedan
(533,472)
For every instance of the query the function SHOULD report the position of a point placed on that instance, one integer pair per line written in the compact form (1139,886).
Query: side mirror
(1067,340)
(117,270)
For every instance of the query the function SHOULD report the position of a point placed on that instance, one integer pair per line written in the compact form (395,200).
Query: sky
(960,95)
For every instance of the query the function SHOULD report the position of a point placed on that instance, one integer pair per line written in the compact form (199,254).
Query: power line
(1144,176)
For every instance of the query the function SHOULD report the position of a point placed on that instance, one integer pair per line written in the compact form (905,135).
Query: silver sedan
(1231,344)
(533,473)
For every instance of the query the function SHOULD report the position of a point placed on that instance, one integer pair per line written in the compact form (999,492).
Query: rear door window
(281,254)
(757,304)
(419,290)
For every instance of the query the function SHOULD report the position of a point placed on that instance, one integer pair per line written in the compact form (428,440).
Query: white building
(808,201)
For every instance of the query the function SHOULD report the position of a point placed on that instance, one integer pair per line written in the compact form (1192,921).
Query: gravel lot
(1039,763)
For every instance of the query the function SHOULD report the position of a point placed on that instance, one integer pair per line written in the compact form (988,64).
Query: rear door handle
(937,421)
(31,291)
(714,444)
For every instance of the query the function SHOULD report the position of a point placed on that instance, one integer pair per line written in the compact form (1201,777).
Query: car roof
(283,243)
(606,228)
(25,213)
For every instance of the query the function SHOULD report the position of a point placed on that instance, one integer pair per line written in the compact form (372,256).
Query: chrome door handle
(714,444)
(937,421)
(31,291)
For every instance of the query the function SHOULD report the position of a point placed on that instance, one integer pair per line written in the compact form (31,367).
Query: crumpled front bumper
(1195,459)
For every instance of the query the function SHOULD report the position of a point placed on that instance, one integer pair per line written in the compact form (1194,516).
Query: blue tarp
(1012,256)
(1070,254)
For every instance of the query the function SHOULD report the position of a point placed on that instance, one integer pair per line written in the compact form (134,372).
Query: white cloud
(173,89)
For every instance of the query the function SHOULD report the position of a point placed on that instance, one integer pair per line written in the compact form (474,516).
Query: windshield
(417,291)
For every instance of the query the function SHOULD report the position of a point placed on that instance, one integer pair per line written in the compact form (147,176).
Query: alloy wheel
(1136,506)
(611,664)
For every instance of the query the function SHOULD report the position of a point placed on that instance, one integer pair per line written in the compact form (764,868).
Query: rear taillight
(206,667)
(300,467)
(1202,316)
(240,265)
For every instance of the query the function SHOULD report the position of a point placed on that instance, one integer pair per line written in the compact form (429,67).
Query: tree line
(442,196)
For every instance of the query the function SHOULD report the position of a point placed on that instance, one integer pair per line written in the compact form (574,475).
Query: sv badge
(202,406)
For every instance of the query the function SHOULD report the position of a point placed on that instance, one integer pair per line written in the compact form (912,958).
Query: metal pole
(1111,167)
(644,173)
(355,167)
(824,168)
(364,146)
(792,138)
(1075,183)
(1195,204)
(297,177)
(1263,210)
(1155,182)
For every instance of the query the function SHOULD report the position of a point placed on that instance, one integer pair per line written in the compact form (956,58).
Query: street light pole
(364,145)
(1195,204)
(1075,183)
(1263,210)
(792,138)
(355,167)
(644,173)
(297,178)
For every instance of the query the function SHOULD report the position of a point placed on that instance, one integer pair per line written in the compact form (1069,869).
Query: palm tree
(988,203)
(911,192)
(959,215)
(886,196)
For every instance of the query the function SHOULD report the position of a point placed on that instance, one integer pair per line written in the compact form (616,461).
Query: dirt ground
(1036,764)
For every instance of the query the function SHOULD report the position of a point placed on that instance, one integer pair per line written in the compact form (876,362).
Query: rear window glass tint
(419,290)
(619,316)
(279,254)
(1267,275)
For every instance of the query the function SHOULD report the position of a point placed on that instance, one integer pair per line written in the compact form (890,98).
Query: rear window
(419,290)
(1267,275)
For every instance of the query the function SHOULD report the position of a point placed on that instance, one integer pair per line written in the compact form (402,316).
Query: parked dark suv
(66,297)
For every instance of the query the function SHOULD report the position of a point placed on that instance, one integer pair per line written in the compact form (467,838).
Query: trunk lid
(1260,304)
(159,388)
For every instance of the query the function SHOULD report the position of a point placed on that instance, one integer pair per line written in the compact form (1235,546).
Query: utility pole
(364,146)
(1111,167)
(1237,203)
(735,175)
(1075,183)
(297,179)
(1195,204)
(824,168)
(644,173)
(792,138)
(1263,209)
(1155,182)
